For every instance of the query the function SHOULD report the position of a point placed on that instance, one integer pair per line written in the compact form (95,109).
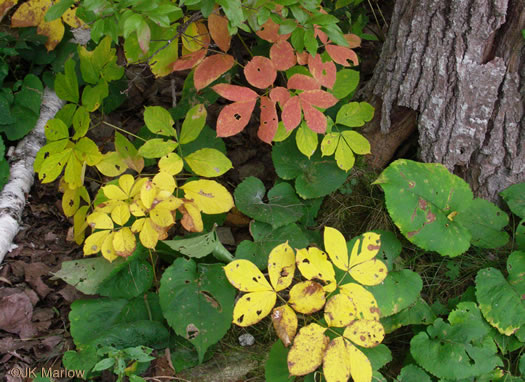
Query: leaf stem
(124,131)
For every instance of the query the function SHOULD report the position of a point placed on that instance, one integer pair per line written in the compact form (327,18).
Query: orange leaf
(324,72)
(303,82)
(318,98)
(234,92)
(218,26)
(260,72)
(6,6)
(211,68)
(233,118)
(204,36)
(315,120)
(354,41)
(282,55)
(280,94)
(270,32)
(319,33)
(291,114)
(269,122)
(188,61)
(342,55)
(302,58)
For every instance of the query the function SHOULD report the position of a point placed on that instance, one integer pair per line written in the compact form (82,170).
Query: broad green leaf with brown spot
(307,350)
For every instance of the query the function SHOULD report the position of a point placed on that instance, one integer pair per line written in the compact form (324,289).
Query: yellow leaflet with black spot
(245,276)
(307,297)
(307,350)
(365,333)
(313,264)
(281,266)
(285,323)
(364,301)
(340,311)
(253,307)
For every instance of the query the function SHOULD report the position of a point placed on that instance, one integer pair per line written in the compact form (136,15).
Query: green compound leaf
(159,121)
(412,373)
(346,81)
(276,368)
(355,114)
(266,238)
(283,206)
(197,247)
(398,291)
(496,295)
(418,314)
(208,162)
(193,124)
(66,84)
(314,177)
(157,147)
(515,198)
(464,347)
(425,201)
(197,302)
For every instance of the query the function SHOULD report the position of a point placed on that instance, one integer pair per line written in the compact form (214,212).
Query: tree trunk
(461,65)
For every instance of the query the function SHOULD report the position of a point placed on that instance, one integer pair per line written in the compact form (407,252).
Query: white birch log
(13,195)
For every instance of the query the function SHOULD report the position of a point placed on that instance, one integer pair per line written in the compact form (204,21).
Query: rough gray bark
(461,65)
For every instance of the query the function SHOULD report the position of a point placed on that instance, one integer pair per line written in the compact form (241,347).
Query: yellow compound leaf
(137,186)
(147,194)
(363,300)
(137,225)
(100,220)
(191,39)
(360,366)
(71,19)
(308,350)
(74,172)
(161,216)
(80,224)
(137,208)
(164,181)
(281,266)
(307,297)
(171,164)
(245,276)
(126,183)
(93,243)
(336,361)
(210,196)
(107,248)
(148,234)
(124,242)
(335,246)
(285,323)
(313,264)
(120,213)
(340,311)
(70,201)
(112,191)
(365,249)
(111,164)
(365,333)
(253,307)
(191,218)
(371,272)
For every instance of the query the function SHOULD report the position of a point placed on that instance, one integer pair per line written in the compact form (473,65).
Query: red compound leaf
(188,61)
(354,41)
(234,92)
(315,119)
(218,26)
(324,72)
(303,82)
(280,94)
(282,55)
(260,72)
(318,98)
(203,34)
(270,32)
(291,115)
(342,55)
(302,58)
(269,122)
(211,68)
(234,117)
(320,34)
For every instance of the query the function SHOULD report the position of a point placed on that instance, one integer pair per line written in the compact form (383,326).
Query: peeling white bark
(13,195)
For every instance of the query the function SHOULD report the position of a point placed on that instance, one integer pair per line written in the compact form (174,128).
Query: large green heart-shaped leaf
(412,373)
(197,247)
(496,295)
(197,302)
(464,347)
(283,206)
(314,177)
(515,198)
(435,209)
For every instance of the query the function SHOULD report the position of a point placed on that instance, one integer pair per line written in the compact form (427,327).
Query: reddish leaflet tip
(282,55)
(269,122)
(234,92)
(211,68)
(280,94)
(303,82)
(233,118)
(324,72)
(315,119)
(291,115)
(260,72)
(188,61)
(318,98)
(342,55)
(218,26)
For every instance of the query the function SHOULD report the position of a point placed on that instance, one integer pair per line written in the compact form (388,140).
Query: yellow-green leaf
(111,164)
(336,361)
(335,246)
(193,124)
(285,323)
(171,164)
(191,39)
(308,350)
(357,142)
(157,147)
(80,224)
(344,156)
(124,242)
(148,193)
(307,297)
(55,130)
(74,172)
(365,333)
(208,162)
(128,153)
(365,249)
(53,165)
(313,264)
(161,216)
(245,276)
(306,140)
(46,151)
(253,307)
(81,122)
(360,366)
(281,266)
(210,196)
(164,181)
(329,143)
(112,191)
(70,201)
(339,311)
(159,121)
(363,300)
(87,150)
